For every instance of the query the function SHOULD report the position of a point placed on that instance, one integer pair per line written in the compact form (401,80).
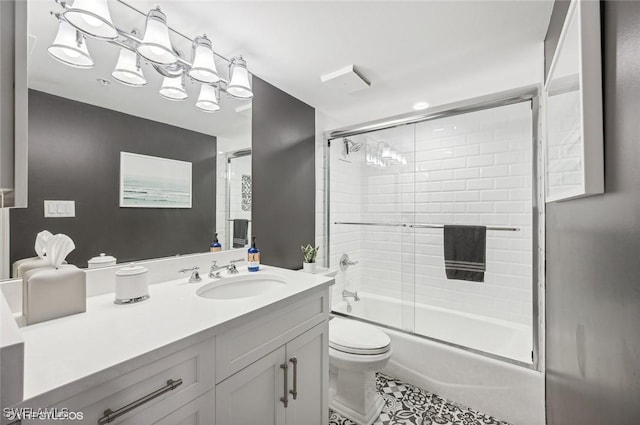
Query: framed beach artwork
(152,182)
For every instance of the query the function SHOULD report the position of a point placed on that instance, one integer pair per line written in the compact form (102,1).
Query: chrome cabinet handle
(285,399)
(294,391)
(110,415)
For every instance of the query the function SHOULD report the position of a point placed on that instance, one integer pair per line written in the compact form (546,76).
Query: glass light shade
(239,80)
(70,48)
(92,17)
(173,88)
(127,70)
(386,152)
(204,66)
(208,99)
(156,44)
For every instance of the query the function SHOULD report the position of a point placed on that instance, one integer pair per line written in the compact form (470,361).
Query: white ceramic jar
(102,260)
(132,284)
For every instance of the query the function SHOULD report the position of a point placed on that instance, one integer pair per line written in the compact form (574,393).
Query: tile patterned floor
(406,404)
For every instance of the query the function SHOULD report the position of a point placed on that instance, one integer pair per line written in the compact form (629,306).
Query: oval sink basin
(243,286)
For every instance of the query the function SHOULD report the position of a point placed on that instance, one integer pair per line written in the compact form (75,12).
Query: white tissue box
(49,293)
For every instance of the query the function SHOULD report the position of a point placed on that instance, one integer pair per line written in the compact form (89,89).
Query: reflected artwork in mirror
(573,108)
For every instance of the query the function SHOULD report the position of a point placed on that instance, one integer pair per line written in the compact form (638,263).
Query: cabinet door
(308,357)
(252,396)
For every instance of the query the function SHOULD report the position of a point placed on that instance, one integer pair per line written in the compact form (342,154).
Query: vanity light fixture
(208,101)
(92,17)
(156,44)
(239,80)
(173,88)
(127,70)
(70,47)
(81,18)
(204,66)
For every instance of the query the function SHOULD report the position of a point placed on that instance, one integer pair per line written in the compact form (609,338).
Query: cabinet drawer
(256,337)
(200,411)
(194,366)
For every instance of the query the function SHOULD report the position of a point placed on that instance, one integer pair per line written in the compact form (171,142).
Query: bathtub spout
(348,294)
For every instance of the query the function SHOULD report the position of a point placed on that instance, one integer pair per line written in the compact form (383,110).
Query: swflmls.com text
(53,414)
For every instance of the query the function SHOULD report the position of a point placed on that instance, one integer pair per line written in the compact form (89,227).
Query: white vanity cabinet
(268,366)
(147,395)
(287,386)
(261,364)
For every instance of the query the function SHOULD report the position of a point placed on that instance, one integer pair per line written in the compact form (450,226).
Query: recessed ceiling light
(420,106)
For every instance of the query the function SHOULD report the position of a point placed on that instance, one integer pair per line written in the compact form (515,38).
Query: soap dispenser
(216,246)
(253,257)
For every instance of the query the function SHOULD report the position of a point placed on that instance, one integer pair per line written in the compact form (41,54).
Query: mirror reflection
(93,100)
(564,118)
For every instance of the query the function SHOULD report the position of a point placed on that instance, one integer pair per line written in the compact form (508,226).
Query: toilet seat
(353,337)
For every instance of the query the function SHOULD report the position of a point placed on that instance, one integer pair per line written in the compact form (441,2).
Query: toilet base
(354,396)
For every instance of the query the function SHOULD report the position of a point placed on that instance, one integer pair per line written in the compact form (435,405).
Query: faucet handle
(189,270)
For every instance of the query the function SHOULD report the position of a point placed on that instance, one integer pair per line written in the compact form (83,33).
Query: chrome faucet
(195,275)
(215,270)
(348,294)
(345,262)
(231,268)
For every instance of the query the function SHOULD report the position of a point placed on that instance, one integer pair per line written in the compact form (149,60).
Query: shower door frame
(524,94)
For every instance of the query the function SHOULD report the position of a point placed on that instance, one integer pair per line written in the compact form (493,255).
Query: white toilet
(356,352)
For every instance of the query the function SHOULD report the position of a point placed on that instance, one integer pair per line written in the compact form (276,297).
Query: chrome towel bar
(422,226)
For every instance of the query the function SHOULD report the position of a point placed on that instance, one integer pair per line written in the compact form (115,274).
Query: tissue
(41,242)
(57,248)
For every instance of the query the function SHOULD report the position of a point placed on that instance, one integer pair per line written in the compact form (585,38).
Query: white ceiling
(437,51)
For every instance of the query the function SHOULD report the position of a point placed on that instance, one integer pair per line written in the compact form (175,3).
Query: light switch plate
(59,209)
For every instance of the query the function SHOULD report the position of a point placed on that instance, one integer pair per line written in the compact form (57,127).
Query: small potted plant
(309,253)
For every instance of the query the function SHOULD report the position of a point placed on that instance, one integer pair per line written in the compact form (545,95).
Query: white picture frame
(574,141)
(154,182)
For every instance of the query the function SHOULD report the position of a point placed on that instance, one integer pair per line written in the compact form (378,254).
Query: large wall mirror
(573,104)
(81,120)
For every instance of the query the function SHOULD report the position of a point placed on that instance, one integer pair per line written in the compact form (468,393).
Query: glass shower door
(372,195)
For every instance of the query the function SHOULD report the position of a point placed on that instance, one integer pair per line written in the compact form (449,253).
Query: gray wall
(283,169)
(593,257)
(74,154)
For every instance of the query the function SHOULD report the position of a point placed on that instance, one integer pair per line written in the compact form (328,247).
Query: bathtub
(442,363)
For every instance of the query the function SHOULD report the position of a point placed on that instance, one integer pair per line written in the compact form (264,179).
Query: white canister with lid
(131,284)
(102,260)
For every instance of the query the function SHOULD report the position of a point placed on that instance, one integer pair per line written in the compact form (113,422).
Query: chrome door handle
(285,399)
(294,391)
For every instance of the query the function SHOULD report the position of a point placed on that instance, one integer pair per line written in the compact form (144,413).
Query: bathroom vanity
(182,358)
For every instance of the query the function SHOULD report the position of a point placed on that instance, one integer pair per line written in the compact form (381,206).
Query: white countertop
(65,350)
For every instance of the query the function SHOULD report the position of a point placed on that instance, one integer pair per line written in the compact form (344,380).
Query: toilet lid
(351,336)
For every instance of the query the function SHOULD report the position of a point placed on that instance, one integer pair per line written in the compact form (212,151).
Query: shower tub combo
(461,370)
(469,163)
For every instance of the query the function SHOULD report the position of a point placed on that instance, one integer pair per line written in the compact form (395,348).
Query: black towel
(465,250)
(240,230)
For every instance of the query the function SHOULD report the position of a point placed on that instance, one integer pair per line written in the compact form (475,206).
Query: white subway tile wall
(474,168)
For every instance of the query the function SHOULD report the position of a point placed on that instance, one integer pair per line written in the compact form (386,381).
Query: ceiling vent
(346,80)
